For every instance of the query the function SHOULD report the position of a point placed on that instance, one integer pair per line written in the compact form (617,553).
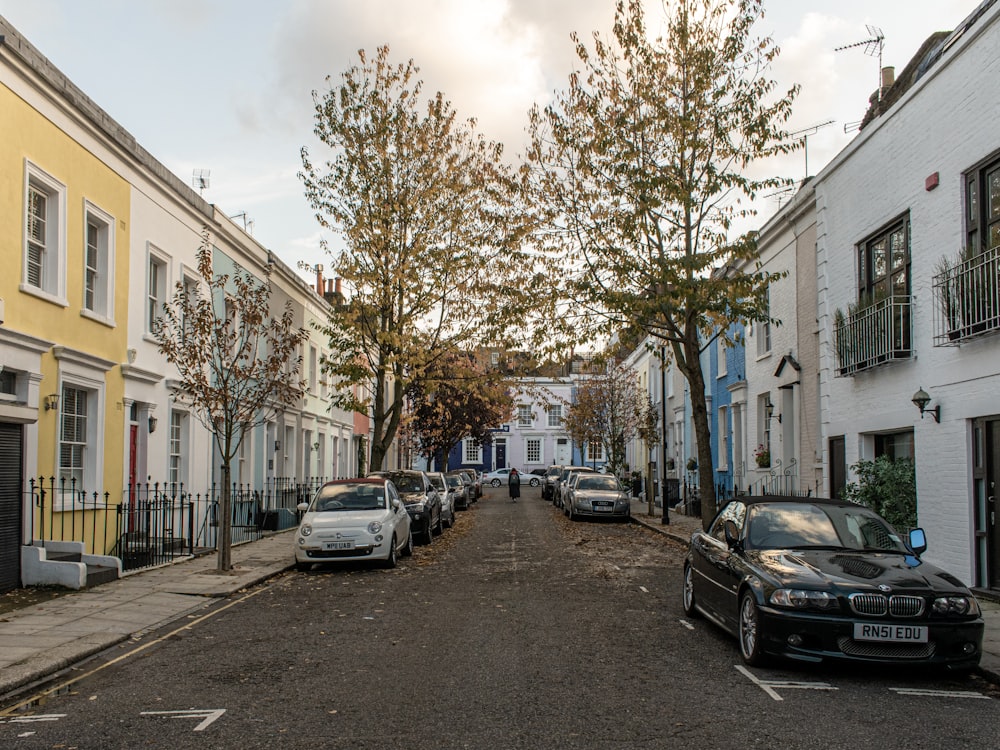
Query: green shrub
(889,488)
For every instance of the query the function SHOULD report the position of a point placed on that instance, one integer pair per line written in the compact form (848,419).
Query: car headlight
(956,605)
(803,599)
(305,529)
(374,527)
(416,507)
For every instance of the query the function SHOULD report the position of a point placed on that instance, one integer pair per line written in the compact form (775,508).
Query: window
(524,418)
(73,436)
(763,422)
(723,428)
(98,262)
(982,207)
(533,450)
(177,448)
(8,383)
(762,329)
(595,451)
(722,349)
(156,289)
(313,357)
(884,263)
(896,445)
(555,415)
(192,295)
(44,233)
(472,451)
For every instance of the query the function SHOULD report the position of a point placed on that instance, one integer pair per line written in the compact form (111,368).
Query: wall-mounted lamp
(769,410)
(152,425)
(52,401)
(315,446)
(921,398)
(277,445)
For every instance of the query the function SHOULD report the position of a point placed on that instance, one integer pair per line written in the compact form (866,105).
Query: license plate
(603,505)
(338,545)
(864,631)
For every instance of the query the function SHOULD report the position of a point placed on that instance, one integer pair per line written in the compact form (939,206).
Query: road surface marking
(940,693)
(768,686)
(686,624)
(208,714)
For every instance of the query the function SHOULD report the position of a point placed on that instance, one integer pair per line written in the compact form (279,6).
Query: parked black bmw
(813,579)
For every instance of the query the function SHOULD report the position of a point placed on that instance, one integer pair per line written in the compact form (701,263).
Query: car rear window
(341,497)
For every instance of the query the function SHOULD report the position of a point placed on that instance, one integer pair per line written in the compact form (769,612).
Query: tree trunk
(225,544)
(703,435)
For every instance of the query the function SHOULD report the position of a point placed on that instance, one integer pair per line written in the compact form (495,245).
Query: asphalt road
(515,629)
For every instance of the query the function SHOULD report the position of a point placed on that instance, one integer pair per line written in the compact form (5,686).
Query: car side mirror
(732,534)
(918,541)
(302,507)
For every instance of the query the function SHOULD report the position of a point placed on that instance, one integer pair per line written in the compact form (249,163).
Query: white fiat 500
(353,519)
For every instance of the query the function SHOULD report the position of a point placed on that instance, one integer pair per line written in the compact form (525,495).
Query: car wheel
(408,549)
(533,482)
(687,593)
(749,631)
(302,567)
(495,483)
(429,534)
(390,561)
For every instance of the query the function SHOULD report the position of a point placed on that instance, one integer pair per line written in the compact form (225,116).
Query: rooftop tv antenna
(804,135)
(200,179)
(873,48)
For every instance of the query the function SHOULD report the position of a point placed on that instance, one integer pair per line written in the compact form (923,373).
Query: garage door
(10,505)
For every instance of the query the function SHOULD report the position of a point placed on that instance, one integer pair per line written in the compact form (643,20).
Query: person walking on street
(514,485)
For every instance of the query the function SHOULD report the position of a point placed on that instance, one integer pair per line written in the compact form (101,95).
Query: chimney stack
(319,279)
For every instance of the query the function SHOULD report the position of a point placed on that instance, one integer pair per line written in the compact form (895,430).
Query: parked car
(463,488)
(500,477)
(549,480)
(421,499)
(477,484)
(447,495)
(559,490)
(812,579)
(597,495)
(352,519)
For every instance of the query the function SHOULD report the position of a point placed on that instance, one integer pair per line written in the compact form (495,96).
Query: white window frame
(536,442)
(472,451)
(81,439)
(52,261)
(555,415)
(178,447)
(155,297)
(722,349)
(762,330)
(524,416)
(763,423)
(724,436)
(313,367)
(101,266)
(595,451)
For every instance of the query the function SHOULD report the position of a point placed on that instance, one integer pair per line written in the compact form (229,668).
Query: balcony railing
(967,299)
(874,335)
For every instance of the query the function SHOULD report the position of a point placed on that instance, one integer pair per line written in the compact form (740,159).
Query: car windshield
(408,483)
(597,482)
(453,481)
(341,497)
(808,525)
(438,481)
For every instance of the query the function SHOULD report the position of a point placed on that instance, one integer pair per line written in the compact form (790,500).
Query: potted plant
(671,464)
(692,464)
(762,456)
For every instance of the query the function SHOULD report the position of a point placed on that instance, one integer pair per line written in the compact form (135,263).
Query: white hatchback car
(353,519)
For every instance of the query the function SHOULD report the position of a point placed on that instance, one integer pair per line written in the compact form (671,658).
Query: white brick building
(918,184)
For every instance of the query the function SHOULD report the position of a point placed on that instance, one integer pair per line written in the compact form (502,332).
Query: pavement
(39,640)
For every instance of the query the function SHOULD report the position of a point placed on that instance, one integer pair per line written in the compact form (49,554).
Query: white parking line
(208,714)
(686,624)
(940,693)
(31,719)
(768,686)
(643,589)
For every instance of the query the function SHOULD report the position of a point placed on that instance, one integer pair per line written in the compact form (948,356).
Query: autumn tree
(429,234)
(457,398)
(237,363)
(609,409)
(645,162)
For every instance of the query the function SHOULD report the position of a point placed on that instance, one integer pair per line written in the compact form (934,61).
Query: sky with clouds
(227,85)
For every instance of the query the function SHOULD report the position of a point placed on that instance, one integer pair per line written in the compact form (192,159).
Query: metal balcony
(874,335)
(967,299)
